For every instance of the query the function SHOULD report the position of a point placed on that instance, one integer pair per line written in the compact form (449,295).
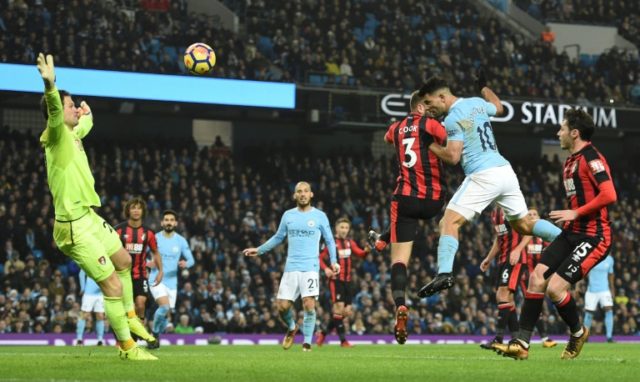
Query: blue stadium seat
(317,79)
(172,52)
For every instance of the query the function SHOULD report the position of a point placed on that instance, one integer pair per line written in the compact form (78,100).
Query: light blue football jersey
(468,121)
(599,276)
(303,231)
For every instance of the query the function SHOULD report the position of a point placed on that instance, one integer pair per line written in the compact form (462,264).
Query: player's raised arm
(54,108)
(85,122)
(488,94)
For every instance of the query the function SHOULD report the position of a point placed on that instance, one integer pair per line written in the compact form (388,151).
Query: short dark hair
(578,119)
(135,201)
(170,212)
(433,84)
(43,103)
(416,98)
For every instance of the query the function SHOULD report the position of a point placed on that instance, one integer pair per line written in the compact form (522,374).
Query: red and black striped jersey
(583,173)
(137,241)
(419,169)
(344,249)
(508,238)
(533,251)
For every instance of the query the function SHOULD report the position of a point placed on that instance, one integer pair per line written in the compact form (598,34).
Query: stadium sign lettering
(539,113)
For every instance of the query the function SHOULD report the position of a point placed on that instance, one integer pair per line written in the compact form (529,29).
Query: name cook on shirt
(538,113)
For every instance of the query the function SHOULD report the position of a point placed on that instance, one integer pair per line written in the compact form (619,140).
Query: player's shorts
(297,283)
(89,241)
(593,299)
(161,291)
(341,291)
(405,213)
(572,255)
(510,275)
(140,287)
(479,190)
(92,303)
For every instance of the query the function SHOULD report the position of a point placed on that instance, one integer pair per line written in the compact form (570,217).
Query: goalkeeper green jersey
(68,173)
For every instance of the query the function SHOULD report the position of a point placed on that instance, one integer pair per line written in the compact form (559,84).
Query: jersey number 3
(413,157)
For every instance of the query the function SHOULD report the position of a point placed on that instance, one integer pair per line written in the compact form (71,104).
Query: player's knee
(504,294)
(556,290)
(309,304)
(536,282)
(111,286)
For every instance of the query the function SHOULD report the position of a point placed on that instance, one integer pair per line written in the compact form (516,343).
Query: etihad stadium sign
(532,113)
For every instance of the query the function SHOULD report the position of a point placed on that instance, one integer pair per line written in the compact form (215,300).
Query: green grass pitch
(598,362)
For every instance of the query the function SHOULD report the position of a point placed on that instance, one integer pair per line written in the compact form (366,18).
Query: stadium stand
(382,45)
(227,202)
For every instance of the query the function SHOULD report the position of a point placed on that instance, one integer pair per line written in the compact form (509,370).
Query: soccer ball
(199,58)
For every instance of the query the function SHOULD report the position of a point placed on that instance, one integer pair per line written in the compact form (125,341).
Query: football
(199,58)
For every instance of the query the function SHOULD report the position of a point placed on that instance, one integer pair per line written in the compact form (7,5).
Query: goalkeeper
(78,231)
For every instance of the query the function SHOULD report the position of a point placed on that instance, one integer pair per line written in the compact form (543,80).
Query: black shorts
(140,287)
(572,255)
(510,275)
(341,291)
(405,213)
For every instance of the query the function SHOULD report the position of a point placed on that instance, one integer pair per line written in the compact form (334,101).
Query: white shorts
(161,291)
(479,190)
(92,303)
(592,300)
(294,284)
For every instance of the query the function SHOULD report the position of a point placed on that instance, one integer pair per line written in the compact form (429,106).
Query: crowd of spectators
(625,15)
(366,44)
(228,203)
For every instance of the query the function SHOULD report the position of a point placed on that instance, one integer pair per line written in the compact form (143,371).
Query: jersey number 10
(486,134)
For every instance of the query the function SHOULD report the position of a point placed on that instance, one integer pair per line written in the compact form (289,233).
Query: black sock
(330,326)
(398,283)
(339,324)
(513,321)
(542,330)
(530,314)
(569,313)
(504,311)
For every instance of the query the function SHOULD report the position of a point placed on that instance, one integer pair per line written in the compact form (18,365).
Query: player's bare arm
(449,154)
(484,265)
(514,256)
(157,260)
(250,252)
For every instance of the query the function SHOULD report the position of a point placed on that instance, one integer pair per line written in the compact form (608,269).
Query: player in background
(302,226)
(508,244)
(78,231)
(176,255)
(584,242)
(139,240)
(91,302)
(419,194)
(532,256)
(488,175)
(600,292)
(340,284)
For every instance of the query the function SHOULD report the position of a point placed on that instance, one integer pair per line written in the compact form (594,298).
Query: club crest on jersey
(102,260)
(596,166)
(311,223)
